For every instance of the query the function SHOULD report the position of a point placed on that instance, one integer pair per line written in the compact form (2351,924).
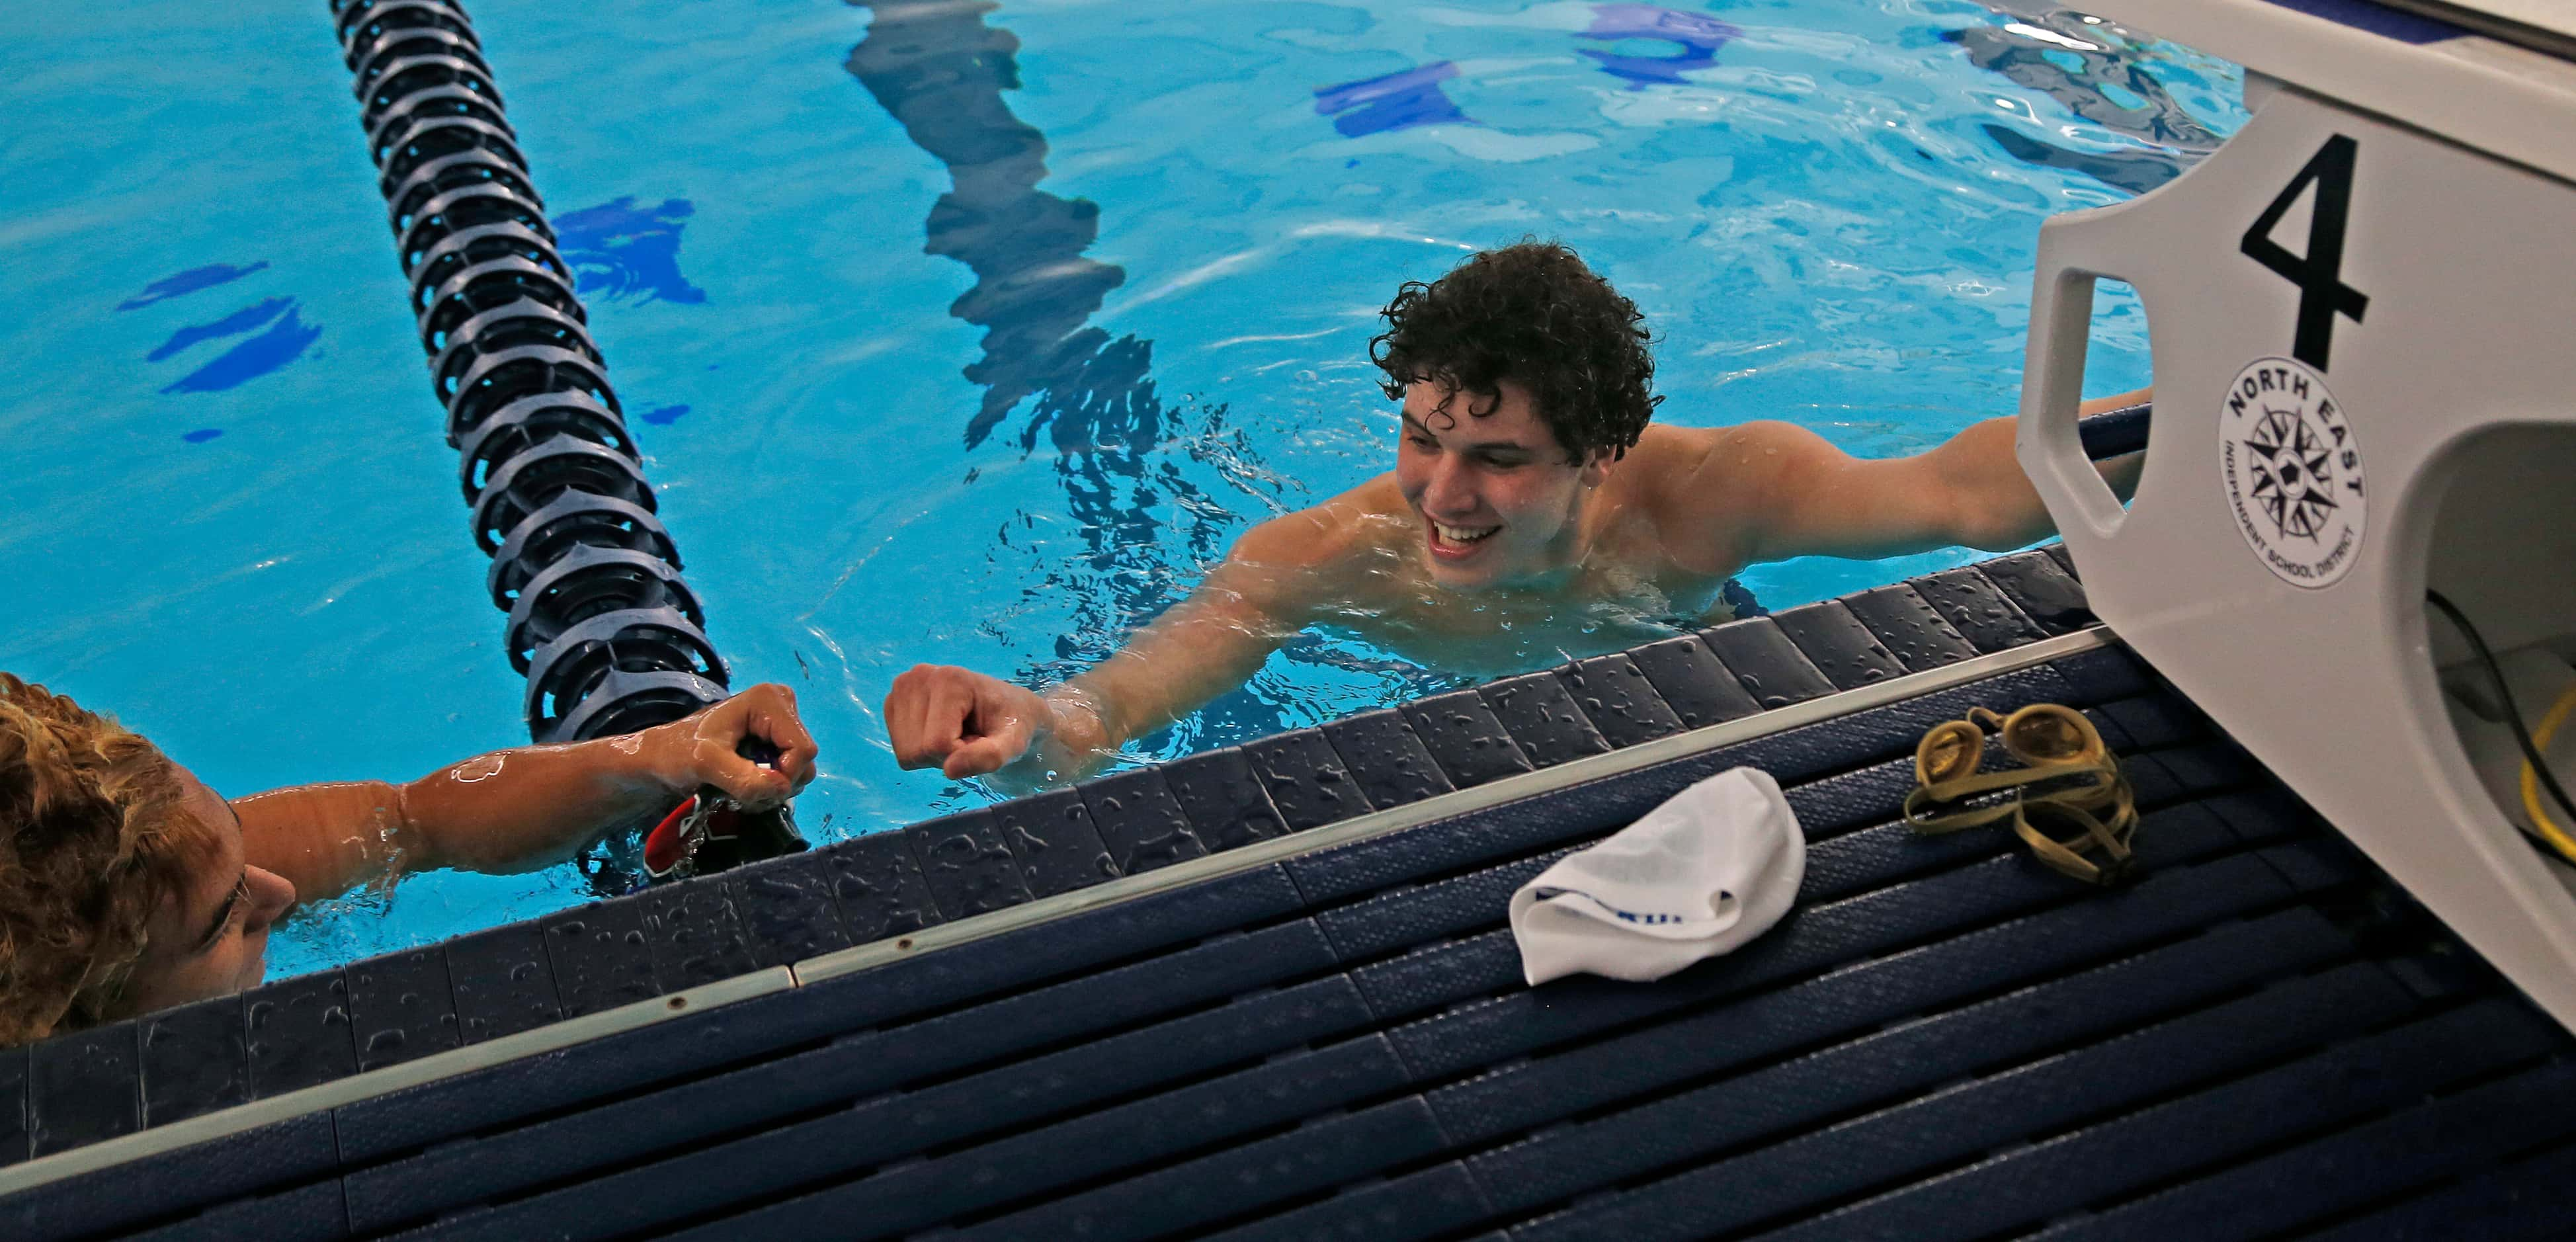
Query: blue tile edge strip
(875,894)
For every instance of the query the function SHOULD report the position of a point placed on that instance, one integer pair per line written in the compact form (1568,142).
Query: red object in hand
(674,839)
(711,815)
(705,816)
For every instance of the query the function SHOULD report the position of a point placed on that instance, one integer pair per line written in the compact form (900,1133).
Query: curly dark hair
(1533,314)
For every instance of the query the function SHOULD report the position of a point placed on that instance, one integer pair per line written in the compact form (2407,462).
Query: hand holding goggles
(711,832)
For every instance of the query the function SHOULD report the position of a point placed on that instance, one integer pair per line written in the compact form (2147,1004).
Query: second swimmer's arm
(517,810)
(967,724)
(1207,644)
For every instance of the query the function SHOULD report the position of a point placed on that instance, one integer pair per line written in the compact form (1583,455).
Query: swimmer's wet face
(1499,499)
(211,937)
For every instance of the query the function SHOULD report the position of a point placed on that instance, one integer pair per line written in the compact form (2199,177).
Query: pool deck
(1268,992)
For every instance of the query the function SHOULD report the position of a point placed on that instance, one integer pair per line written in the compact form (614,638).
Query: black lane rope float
(610,637)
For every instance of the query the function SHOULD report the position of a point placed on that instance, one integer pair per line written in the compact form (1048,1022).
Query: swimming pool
(234,522)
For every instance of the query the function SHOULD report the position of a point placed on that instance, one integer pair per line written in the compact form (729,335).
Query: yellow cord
(2549,830)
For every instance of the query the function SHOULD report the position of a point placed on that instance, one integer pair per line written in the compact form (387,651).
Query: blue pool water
(998,430)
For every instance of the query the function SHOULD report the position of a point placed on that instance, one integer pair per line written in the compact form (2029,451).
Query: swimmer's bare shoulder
(1337,552)
(1705,490)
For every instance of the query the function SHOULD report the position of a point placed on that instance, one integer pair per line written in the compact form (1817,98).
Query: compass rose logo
(2292,470)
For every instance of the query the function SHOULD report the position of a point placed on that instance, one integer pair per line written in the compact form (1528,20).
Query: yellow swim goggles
(2068,801)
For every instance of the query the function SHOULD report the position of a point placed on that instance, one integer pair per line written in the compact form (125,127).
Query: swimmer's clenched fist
(961,721)
(703,749)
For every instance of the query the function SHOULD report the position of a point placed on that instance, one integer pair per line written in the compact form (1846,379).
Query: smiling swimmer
(1534,513)
(127,885)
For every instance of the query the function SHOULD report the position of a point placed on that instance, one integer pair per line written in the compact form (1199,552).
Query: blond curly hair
(94,838)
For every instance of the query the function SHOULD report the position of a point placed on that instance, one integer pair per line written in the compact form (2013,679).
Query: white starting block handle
(2075,250)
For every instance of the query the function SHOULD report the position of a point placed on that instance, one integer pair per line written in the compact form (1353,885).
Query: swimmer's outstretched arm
(522,809)
(967,724)
(1784,491)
